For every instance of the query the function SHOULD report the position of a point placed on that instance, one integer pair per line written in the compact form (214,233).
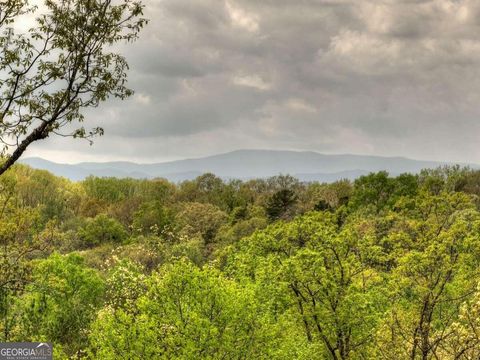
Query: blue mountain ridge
(245,164)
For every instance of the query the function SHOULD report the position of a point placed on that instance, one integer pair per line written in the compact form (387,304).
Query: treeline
(381,268)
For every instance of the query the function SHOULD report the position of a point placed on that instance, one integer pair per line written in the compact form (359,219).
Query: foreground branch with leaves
(66,62)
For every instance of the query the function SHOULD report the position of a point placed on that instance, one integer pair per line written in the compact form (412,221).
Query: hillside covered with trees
(381,268)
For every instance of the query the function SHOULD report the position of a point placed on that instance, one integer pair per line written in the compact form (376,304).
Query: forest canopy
(380,268)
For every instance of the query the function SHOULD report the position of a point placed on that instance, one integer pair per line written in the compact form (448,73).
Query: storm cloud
(384,77)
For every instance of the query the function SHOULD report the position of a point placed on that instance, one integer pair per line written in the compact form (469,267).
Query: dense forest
(384,267)
(381,268)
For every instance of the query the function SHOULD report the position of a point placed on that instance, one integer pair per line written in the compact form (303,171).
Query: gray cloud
(385,77)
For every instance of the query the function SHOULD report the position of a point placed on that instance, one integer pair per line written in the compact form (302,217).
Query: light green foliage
(109,190)
(129,199)
(209,188)
(462,340)
(21,239)
(60,303)
(315,270)
(187,313)
(437,257)
(44,191)
(384,268)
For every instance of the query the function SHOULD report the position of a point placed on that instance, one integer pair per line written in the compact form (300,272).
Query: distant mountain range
(245,164)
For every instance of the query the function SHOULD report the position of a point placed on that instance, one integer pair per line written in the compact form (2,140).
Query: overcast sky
(382,77)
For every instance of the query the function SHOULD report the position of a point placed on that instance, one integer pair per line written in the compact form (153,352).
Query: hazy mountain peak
(244,164)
